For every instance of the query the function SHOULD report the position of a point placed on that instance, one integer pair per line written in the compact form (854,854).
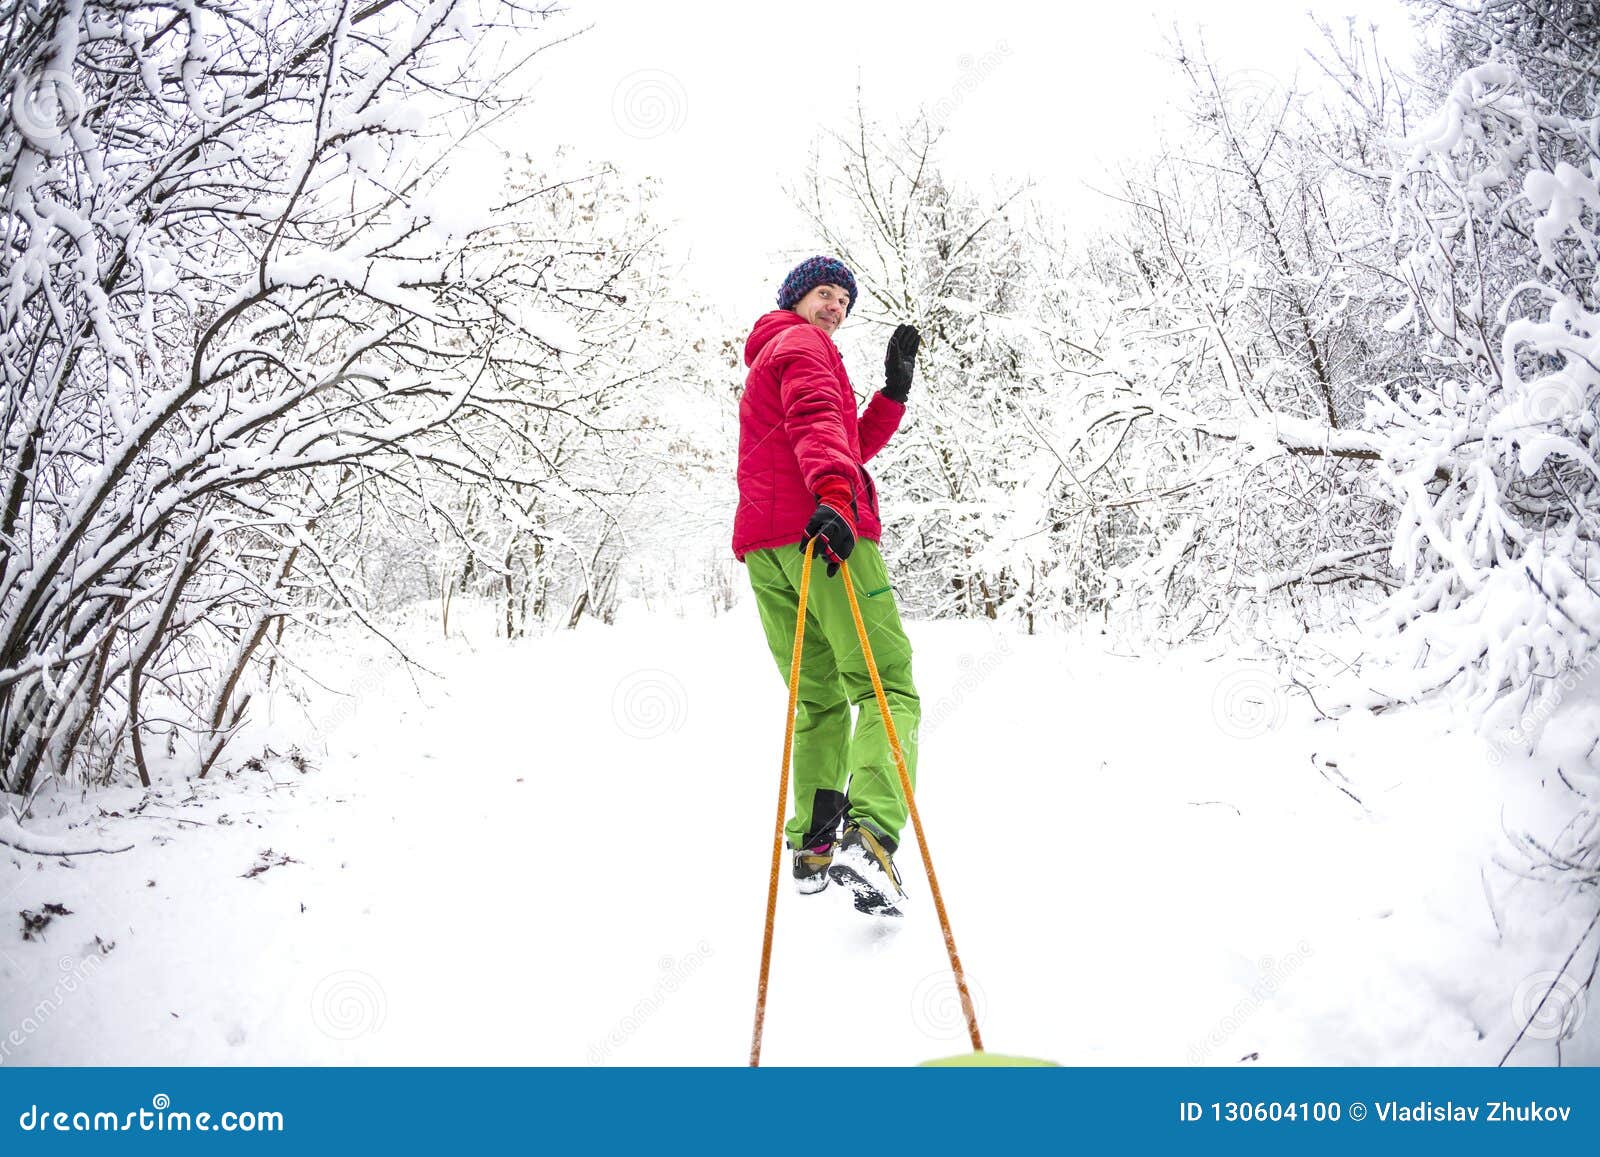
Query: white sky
(722,100)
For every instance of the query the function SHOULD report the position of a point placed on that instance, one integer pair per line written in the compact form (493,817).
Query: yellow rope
(916,819)
(783,805)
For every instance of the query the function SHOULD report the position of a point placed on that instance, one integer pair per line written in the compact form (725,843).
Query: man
(802,476)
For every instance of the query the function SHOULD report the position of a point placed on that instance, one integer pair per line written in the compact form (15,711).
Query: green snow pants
(837,767)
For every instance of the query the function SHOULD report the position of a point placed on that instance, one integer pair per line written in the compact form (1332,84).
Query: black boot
(811,868)
(864,863)
(811,861)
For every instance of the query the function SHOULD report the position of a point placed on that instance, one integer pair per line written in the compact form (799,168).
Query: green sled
(988,1061)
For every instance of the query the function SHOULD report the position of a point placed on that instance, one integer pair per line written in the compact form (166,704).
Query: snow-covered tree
(1208,357)
(235,297)
(625,440)
(1492,445)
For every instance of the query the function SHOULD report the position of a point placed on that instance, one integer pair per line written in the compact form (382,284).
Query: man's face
(824,307)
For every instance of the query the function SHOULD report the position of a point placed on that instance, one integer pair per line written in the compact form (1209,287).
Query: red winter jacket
(798,429)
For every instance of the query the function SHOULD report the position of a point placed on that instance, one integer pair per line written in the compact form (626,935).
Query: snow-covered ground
(556,853)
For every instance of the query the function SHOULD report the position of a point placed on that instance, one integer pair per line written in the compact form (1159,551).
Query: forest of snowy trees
(267,372)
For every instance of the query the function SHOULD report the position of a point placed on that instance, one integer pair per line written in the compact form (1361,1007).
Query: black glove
(899,361)
(836,538)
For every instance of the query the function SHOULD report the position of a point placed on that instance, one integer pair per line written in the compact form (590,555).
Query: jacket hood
(767,327)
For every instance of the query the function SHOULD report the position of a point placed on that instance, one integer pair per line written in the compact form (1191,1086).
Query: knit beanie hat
(812,272)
